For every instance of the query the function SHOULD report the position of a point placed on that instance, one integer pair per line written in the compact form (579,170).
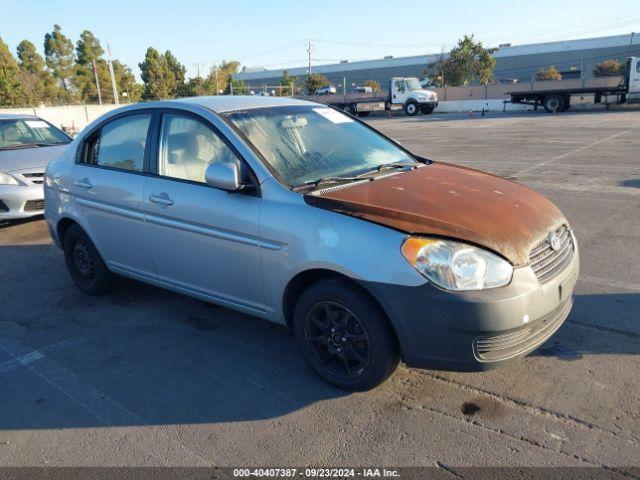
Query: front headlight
(6,179)
(456,266)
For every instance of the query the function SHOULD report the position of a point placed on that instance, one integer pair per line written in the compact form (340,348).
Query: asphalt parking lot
(142,376)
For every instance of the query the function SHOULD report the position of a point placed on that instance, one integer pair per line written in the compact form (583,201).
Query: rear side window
(119,144)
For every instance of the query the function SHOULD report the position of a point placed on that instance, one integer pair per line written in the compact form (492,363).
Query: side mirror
(223,175)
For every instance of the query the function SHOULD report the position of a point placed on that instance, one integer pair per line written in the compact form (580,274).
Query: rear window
(119,144)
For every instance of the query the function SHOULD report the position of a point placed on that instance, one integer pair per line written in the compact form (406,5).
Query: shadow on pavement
(144,356)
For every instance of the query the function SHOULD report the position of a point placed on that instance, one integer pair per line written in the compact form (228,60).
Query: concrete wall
(71,118)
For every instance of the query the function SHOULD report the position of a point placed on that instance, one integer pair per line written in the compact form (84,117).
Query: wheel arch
(63,225)
(306,278)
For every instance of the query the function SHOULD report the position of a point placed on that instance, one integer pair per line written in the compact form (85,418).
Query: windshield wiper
(387,166)
(325,180)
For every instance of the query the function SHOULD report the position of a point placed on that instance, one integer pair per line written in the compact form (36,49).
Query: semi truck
(560,100)
(404,93)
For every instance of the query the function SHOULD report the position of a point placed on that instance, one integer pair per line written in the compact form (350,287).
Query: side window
(119,144)
(400,85)
(187,148)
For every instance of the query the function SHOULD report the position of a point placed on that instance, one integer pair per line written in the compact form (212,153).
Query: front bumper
(21,201)
(477,330)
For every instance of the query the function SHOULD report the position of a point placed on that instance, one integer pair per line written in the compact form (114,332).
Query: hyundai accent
(305,216)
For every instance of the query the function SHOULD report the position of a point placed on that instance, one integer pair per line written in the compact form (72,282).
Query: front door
(202,239)
(634,75)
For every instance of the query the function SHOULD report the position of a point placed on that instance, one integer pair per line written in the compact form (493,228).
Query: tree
(239,87)
(178,72)
(314,82)
(88,54)
(220,75)
(12,92)
(29,57)
(288,82)
(375,86)
(126,81)
(549,73)
(468,62)
(58,52)
(37,81)
(608,68)
(158,78)
(195,87)
(88,49)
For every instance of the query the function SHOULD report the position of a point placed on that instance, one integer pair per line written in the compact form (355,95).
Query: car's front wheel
(85,265)
(344,336)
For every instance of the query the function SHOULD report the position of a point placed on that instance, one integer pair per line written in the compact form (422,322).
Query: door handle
(163,200)
(83,183)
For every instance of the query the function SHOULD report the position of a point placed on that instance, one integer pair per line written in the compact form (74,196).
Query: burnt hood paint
(451,201)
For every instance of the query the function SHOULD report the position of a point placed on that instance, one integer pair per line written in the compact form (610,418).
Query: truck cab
(632,78)
(409,93)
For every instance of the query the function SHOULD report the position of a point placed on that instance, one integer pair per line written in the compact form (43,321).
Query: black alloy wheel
(338,339)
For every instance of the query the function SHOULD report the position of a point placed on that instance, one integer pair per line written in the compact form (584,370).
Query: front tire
(85,265)
(411,108)
(344,336)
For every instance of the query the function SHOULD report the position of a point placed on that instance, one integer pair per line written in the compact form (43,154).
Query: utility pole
(95,74)
(113,78)
(309,52)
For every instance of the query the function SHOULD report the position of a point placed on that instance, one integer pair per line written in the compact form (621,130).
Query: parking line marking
(634,287)
(570,153)
(609,189)
(99,405)
(24,360)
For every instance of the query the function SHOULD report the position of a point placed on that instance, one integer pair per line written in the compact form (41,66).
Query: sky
(274,34)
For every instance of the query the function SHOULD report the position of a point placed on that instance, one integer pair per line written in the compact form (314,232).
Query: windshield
(306,143)
(413,84)
(24,133)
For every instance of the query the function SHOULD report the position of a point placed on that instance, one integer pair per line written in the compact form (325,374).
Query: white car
(27,145)
(326,90)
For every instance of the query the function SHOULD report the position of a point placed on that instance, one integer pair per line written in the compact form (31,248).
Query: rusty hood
(450,201)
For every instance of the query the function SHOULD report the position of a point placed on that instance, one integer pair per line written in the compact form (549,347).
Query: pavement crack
(533,409)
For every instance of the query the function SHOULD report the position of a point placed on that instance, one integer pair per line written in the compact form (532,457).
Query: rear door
(202,239)
(107,184)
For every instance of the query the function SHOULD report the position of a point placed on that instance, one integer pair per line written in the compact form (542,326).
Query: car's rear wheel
(344,336)
(85,265)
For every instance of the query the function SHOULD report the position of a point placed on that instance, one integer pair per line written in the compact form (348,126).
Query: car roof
(16,116)
(227,103)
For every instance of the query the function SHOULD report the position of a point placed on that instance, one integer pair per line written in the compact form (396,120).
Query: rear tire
(344,336)
(350,109)
(554,103)
(411,108)
(85,265)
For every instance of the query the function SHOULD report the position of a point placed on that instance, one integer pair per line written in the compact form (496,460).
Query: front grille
(3,207)
(510,344)
(547,262)
(34,205)
(37,178)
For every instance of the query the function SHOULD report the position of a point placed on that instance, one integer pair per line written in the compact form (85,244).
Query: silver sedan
(27,145)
